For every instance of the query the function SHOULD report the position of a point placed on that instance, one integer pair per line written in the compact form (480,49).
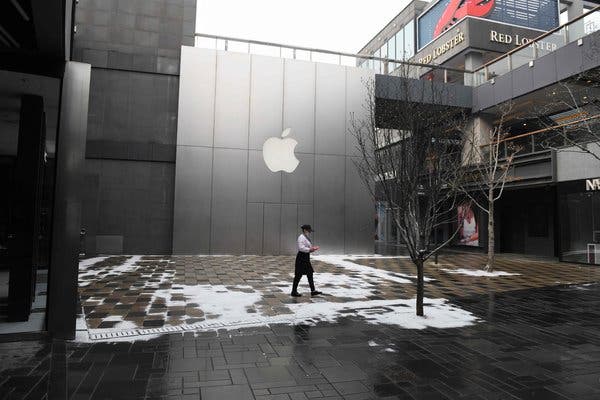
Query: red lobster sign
(458,9)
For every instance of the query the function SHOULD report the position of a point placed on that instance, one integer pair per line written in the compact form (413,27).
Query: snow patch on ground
(127,266)
(585,286)
(217,301)
(373,256)
(438,313)
(344,262)
(477,272)
(344,286)
(87,275)
(337,285)
(88,262)
(233,307)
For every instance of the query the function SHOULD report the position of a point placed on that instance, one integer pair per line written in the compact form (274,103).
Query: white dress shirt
(304,244)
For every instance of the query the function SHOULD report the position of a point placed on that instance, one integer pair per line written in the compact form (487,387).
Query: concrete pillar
(473,60)
(66,224)
(477,133)
(574,10)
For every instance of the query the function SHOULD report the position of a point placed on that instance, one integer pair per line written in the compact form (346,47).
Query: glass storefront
(579,210)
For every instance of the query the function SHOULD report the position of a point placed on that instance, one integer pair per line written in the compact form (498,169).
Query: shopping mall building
(529,53)
(125,132)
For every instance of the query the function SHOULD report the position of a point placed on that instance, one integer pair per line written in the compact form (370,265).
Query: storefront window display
(579,207)
(468,225)
(386,231)
(380,221)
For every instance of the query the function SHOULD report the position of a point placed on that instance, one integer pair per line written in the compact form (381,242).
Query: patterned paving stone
(150,291)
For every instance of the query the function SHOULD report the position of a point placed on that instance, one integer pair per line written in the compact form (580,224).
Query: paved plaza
(183,327)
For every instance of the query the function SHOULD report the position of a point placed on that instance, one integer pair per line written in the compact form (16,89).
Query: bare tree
(407,158)
(487,159)
(571,120)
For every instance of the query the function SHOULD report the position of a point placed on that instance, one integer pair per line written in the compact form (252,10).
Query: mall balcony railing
(573,31)
(378,64)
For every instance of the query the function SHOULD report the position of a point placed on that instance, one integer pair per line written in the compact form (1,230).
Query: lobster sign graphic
(457,9)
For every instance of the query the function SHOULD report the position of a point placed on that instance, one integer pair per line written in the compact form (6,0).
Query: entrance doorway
(24,223)
(526,221)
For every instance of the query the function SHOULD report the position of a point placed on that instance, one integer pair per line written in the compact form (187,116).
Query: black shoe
(315,293)
(296,294)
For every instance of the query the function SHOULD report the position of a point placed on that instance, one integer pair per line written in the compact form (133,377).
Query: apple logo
(278,153)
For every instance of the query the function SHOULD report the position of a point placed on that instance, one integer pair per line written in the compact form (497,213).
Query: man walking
(303,266)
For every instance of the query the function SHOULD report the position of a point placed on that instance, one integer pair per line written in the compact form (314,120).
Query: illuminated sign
(443,48)
(458,9)
(517,40)
(592,184)
(443,15)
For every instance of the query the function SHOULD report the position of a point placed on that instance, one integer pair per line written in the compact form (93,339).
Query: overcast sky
(342,25)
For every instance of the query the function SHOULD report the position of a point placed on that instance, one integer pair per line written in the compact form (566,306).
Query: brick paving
(130,294)
(529,273)
(538,338)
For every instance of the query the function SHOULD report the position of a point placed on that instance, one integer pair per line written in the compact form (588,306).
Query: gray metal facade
(226,199)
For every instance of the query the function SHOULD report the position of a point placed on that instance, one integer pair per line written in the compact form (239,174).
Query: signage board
(533,14)
(484,35)
(592,184)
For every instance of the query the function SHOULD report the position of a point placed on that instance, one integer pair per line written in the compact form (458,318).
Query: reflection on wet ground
(536,342)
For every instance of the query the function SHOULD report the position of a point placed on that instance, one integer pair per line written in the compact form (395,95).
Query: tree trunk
(420,289)
(491,236)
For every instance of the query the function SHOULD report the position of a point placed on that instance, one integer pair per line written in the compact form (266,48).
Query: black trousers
(297,278)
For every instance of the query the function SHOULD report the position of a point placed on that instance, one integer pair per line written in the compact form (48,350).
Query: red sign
(457,9)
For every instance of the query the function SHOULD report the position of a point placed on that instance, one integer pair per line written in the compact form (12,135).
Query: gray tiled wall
(130,203)
(140,35)
(133,107)
(134,49)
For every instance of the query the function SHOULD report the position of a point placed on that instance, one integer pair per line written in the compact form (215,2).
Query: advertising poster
(468,233)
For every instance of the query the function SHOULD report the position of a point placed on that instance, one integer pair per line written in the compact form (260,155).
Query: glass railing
(378,64)
(527,53)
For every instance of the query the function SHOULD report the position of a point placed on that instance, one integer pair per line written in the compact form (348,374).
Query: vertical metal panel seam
(345,151)
(315,147)
(212,161)
(244,247)
(281,173)
(262,245)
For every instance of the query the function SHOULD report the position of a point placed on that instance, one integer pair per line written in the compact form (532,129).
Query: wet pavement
(541,341)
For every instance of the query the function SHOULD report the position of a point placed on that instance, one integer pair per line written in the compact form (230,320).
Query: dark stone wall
(140,35)
(128,206)
(134,49)
(133,107)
